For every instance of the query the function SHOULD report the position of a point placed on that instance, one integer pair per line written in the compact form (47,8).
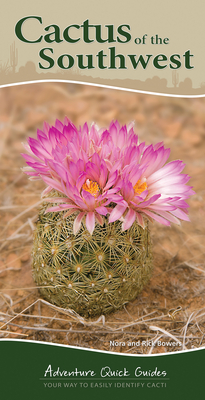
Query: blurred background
(172,305)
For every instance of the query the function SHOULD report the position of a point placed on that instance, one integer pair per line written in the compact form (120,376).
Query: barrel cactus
(91,248)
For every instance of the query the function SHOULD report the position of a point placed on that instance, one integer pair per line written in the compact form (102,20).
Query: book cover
(102,143)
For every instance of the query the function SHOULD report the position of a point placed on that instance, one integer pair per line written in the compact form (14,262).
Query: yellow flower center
(91,187)
(140,187)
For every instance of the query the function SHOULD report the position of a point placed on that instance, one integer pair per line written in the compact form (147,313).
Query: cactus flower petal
(90,222)
(129,219)
(77,223)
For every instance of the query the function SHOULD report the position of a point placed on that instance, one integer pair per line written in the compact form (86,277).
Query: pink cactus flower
(102,172)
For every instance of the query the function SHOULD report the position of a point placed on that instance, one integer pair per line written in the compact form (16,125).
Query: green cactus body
(90,274)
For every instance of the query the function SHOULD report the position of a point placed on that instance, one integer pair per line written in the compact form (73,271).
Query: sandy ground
(171,308)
